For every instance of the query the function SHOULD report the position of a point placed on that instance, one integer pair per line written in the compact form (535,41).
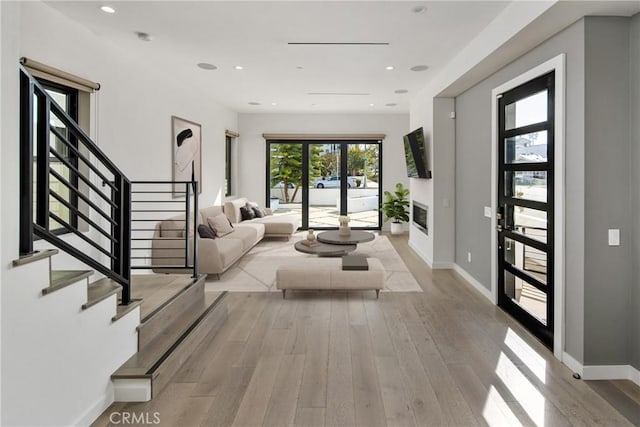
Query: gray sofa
(215,256)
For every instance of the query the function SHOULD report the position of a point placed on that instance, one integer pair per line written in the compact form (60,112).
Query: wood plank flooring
(442,357)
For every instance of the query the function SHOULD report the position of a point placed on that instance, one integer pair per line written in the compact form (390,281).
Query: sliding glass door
(306,178)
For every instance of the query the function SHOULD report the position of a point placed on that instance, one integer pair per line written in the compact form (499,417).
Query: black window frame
(228,169)
(71,108)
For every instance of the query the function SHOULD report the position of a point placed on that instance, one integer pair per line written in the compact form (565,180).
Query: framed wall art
(186,145)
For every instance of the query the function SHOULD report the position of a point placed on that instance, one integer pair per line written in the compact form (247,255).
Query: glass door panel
(285,178)
(363,192)
(525,205)
(324,185)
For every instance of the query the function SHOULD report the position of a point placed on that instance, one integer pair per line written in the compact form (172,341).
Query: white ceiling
(256,36)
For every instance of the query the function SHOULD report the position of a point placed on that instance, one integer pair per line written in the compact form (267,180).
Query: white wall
(251,145)
(134,109)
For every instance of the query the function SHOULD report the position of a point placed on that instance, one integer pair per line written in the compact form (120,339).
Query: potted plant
(396,207)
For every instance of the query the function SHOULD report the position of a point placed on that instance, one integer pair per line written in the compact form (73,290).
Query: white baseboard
(91,414)
(421,254)
(602,372)
(442,266)
(634,375)
(607,372)
(572,363)
(473,282)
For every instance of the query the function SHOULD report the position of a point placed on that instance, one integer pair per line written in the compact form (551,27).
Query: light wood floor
(442,357)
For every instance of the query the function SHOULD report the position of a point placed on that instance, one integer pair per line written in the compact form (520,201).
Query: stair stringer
(58,371)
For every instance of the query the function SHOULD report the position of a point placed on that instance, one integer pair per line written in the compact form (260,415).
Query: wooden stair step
(100,290)
(62,278)
(122,310)
(167,351)
(36,256)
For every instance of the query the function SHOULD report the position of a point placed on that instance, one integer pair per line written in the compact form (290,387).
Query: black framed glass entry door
(525,205)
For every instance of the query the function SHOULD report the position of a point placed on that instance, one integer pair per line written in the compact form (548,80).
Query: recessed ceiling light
(299,67)
(238,67)
(391,104)
(419,68)
(419,9)
(400,91)
(372,105)
(389,67)
(274,103)
(254,103)
(145,37)
(207,66)
(107,9)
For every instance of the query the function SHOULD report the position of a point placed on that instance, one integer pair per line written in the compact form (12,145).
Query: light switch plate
(445,203)
(487,211)
(614,237)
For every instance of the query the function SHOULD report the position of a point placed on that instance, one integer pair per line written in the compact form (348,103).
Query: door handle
(498,228)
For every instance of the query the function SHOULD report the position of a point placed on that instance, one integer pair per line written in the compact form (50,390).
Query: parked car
(281,185)
(333,182)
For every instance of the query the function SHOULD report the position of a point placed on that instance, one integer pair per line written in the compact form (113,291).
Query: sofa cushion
(209,212)
(172,228)
(247,213)
(232,209)
(279,225)
(220,225)
(248,236)
(205,232)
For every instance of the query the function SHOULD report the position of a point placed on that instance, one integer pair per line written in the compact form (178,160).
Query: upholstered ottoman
(327,273)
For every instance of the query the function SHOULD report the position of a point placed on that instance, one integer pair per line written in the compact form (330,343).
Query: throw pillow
(252,205)
(259,212)
(247,213)
(220,225)
(206,232)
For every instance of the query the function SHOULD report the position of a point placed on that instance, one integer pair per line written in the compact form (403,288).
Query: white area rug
(256,271)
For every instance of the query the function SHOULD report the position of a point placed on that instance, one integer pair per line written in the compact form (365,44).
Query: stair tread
(62,278)
(36,256)
(140,364)
(100,290)
(122,310)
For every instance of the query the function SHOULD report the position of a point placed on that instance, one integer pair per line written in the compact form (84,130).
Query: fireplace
(420,215)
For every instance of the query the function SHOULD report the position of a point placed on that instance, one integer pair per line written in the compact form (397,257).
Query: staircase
(168,335)
(87,331)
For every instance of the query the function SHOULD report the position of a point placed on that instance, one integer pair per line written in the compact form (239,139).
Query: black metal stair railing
(152,203)
(60,165)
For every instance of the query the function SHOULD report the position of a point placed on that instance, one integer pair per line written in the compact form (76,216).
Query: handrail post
(26,165)
(195,229)
(125,240)
(186,226)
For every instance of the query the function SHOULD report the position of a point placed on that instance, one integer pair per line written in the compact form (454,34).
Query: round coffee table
(324,249)
(333,237)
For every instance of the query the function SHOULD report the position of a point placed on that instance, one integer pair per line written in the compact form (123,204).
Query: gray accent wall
(473,173)
(634,37)
(608,269)
(602,319)
(444,137)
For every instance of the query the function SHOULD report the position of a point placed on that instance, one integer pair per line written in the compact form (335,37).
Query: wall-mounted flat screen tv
(416,155)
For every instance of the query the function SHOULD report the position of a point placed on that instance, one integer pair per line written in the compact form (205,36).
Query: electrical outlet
(469,257)
(487,211)
(614,237)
